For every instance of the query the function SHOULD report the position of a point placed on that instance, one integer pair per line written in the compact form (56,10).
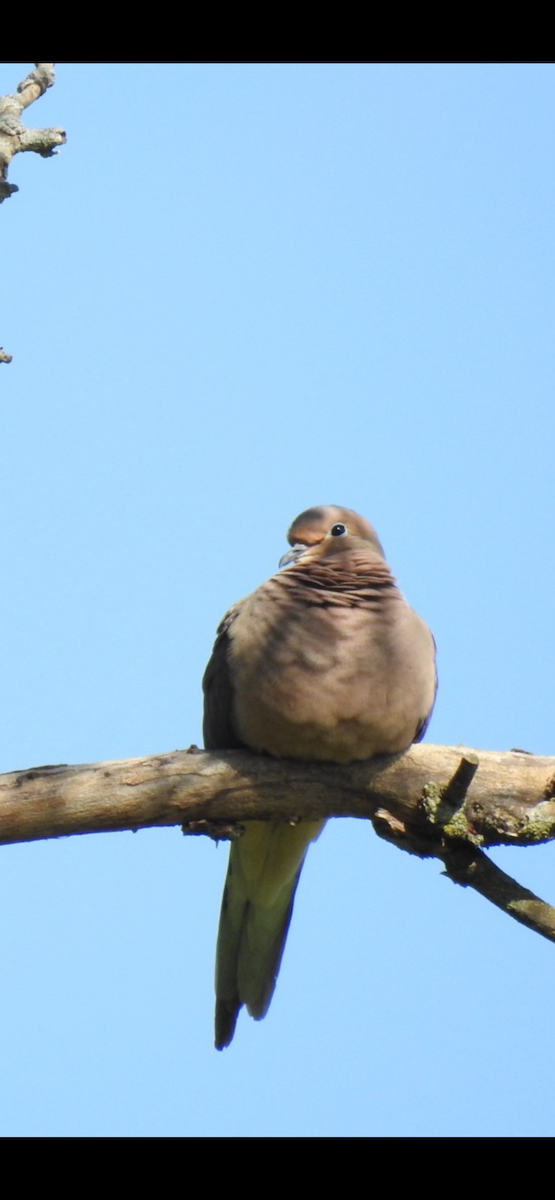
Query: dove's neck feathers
(359,574)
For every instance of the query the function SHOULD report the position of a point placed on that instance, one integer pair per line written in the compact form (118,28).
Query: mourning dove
(324,662)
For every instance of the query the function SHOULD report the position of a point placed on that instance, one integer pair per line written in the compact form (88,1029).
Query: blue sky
(242,289)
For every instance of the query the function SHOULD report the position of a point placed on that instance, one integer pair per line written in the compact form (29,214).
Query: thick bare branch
(433,801)
(510,799)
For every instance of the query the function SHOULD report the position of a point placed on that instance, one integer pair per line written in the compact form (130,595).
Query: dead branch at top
(15,138)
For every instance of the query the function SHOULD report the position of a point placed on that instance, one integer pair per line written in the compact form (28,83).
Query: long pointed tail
(262,877)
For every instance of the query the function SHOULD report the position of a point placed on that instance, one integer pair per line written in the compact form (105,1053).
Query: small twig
(445,804)
(454,792)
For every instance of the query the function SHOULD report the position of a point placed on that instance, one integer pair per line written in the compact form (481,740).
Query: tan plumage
(325,661)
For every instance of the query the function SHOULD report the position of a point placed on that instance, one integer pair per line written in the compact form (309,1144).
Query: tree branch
(509,801)
(432,801)
(472,868)
(15,138)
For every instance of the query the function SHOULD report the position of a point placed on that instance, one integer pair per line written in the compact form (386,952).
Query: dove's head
(333,530)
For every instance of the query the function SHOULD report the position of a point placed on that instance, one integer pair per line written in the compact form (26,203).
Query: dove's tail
(262,877)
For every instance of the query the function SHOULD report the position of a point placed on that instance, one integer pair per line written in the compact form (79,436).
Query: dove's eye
(338,530)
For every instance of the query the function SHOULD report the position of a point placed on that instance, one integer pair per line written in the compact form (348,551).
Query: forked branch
(434,801)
